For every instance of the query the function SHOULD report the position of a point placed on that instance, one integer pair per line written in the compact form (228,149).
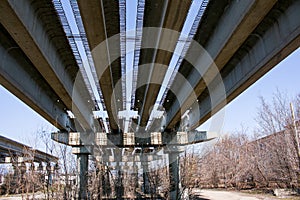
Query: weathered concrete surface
(237,22)
(265,46)
(45,45)
(100,26)
(277,36)
(164,14)
(32,90)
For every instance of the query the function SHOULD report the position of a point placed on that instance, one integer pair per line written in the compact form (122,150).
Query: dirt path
(226,195)
(19,197)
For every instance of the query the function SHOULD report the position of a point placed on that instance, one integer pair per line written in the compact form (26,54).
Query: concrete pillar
(174,175)
(16,177)
(23,169)
(16,169)
(146,183)
(107,187)
(19,176)
(136,179)
(82,179)
(49,173)
(119,185)
(99,178)
(40,167)
(136,174)
(55,172)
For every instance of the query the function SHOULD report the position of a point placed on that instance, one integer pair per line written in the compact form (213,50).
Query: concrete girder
(91,14)
(274,39)
(101,21)
(165,14)
(37,30)
(45,157)
(10,148)
(19,76)
(153,17)
(236,23)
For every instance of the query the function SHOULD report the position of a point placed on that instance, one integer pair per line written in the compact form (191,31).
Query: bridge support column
(146,183)
(16,177)
(49,174)
(107,187)
(82,179)
(136,174)
(119,188)
(174,175)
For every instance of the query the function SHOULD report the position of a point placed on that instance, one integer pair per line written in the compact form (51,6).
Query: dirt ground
(224,195)
(233,195)
(19,197)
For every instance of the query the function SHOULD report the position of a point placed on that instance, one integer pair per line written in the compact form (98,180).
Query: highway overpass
(230,46)
(16,153)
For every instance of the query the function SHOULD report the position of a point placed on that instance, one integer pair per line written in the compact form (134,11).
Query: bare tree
(274,116)
(268,159)
(66,166)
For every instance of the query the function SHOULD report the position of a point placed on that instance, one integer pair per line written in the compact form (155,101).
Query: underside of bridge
(111,77)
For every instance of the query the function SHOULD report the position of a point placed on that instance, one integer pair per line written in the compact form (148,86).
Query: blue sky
(18,121)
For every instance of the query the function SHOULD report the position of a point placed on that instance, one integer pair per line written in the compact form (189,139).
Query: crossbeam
(128,139)
(129,158)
